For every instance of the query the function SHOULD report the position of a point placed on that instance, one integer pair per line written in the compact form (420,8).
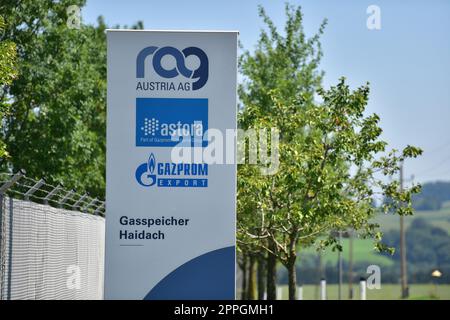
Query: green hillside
(362,251)
(363,248)
(439,218)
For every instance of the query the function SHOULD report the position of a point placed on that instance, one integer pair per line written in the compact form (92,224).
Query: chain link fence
(51,241)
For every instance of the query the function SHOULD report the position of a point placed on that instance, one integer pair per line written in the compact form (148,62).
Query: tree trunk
(244,277)
(261,275)
(292,280)
(251,287)
(271,274)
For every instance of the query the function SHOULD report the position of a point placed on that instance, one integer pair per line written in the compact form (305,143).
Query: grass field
(387,292)
(363,251)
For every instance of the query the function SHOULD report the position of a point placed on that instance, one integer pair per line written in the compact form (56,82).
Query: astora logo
(201,73)
(162,122)
(152,127)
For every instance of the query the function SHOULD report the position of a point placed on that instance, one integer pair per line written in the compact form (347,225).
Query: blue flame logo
(145,172)
(151,163)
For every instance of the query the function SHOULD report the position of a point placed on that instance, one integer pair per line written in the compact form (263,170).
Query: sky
(406,61)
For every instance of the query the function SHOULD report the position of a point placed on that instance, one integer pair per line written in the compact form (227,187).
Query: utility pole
(350,265)
(320,275)
(403,269)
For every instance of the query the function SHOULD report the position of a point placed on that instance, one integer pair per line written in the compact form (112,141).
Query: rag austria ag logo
(172,175)
(180,68)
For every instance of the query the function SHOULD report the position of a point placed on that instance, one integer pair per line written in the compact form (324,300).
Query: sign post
(171,197)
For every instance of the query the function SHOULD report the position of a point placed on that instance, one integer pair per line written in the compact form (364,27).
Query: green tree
(8,72)
(56,125)
(248,216)
(288,64)
(328,171)
(330,157)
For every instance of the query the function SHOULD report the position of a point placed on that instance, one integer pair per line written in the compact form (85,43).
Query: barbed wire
(18,185)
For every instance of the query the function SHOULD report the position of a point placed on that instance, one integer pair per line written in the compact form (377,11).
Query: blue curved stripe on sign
(210,276)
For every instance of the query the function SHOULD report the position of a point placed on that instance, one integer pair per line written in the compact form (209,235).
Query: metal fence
(51,241)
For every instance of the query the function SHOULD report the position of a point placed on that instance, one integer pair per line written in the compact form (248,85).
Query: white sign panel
(171,185)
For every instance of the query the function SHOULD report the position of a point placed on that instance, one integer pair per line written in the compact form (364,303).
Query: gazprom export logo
(157,54)
(145,172)
(163,122)
(172,175)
